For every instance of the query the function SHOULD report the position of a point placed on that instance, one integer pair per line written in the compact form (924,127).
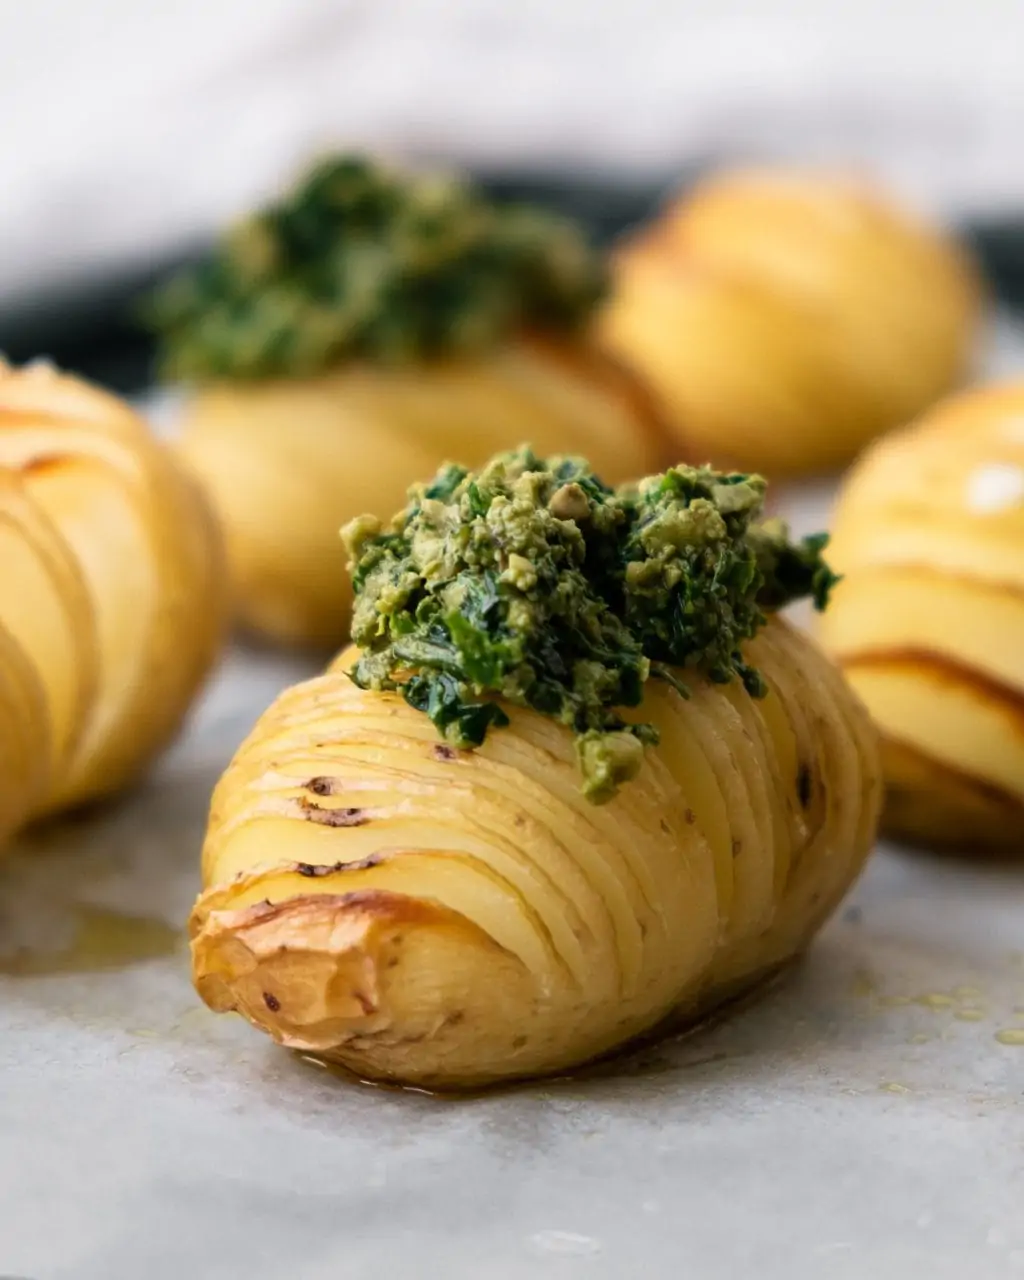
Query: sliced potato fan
(111,596)
(786,318)
(574,781)
(928,622)
(360,329)
(288,462)
(445,917)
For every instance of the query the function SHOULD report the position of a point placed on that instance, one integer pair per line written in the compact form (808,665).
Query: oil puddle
(625,1064)
(94,939)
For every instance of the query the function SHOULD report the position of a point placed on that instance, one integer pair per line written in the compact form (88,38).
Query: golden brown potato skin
(111,595)
(288,462)
(448,918)
(929,620)
(786,318)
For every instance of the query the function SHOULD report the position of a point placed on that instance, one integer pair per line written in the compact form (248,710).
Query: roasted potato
(112,594)
(358,333)
(429,914)
(287,463)
(787,317)
(928,623)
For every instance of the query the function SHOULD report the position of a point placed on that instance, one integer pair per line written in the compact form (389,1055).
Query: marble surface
(862,1119)
(865,1118)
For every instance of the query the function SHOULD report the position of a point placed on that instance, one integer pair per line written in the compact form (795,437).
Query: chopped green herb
(532,582)
(358,262)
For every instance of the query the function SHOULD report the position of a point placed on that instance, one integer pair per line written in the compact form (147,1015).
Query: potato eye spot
(803,786)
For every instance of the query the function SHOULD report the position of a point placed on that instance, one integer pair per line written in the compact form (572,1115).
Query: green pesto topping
(533,582)
(359,262)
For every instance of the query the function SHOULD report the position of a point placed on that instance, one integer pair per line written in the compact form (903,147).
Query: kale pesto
(358,262)
(533,582)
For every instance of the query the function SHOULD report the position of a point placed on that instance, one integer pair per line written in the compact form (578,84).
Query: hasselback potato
(787,317)
(928,622)
(111,595)
(644,794)
(349,338)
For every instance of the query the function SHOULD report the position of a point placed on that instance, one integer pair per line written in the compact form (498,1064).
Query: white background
(130,127)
